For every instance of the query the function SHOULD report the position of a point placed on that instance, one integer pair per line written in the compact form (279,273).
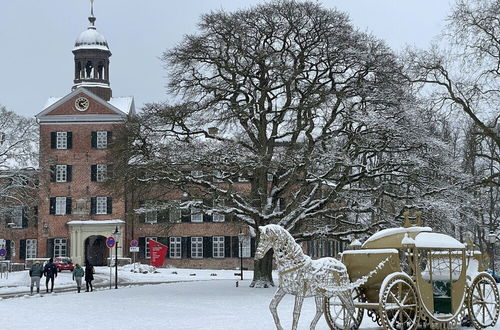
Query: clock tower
(76,210)
(92,55)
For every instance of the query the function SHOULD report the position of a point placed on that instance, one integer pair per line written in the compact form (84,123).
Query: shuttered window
(175,248)
(196,247)
(218,246)
(31,247)
(102,140)
(60,247)
(60,205)
(62,140)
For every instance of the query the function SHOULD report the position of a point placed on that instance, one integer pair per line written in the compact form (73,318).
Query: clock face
(81,104)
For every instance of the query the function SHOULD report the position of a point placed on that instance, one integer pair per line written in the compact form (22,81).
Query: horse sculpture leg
(273,306)
(319,311)
(296,310)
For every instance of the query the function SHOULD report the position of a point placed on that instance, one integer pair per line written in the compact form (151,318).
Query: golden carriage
(413,277)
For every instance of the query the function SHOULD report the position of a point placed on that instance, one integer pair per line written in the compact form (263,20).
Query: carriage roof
(391,238)
(437,241)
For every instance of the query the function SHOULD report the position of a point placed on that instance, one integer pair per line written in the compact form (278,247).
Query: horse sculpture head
(268,236)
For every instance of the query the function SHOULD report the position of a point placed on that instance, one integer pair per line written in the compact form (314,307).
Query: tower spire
(92,18)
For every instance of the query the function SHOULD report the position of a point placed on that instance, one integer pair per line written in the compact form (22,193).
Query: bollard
(237,283)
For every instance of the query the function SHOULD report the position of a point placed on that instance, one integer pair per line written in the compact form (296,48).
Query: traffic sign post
(110,243)
(134,248)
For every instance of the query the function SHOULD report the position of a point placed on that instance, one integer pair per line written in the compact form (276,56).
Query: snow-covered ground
(189,302)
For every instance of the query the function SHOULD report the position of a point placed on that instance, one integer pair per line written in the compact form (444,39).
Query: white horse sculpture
(303,277)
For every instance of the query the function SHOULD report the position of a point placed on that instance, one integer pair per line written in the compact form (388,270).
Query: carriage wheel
(336,314)
(483,302)
(399,304)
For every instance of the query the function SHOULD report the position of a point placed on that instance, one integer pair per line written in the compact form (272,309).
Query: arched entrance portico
(96,251)
(88,240)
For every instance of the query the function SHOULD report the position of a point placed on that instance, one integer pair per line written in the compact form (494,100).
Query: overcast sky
(37,36)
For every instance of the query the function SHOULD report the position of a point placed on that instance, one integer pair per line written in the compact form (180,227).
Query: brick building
(76,212)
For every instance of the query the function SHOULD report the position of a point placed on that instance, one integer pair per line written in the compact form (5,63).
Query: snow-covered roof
(125,104)
(397,230)
(91,39)
(96,222)
(371,251)
(437,241)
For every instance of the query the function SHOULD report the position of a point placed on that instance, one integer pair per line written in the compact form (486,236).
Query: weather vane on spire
(92,17)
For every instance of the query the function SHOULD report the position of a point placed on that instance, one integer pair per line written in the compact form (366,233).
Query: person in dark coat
(50,272)
(89,276)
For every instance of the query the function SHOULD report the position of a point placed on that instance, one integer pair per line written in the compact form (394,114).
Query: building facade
(76,212)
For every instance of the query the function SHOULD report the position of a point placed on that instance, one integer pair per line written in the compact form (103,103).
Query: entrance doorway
(96,251)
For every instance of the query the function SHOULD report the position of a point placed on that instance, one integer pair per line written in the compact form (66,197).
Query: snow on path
(207,305)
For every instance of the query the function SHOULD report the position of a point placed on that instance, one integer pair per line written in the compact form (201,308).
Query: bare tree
(465,80)
(291,116)
(18,150)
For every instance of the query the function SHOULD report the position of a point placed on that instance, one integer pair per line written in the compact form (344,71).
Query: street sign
(134,249)
(110,242)
(134,243)
(3,252)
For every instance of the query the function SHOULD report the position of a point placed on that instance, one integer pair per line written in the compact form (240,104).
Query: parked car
(63,263)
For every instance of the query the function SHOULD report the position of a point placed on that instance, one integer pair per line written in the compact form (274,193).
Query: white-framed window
(60,247)
(175,247)
(245,247)
(13,248)
(174,214)
(62,140)
(218,176)
(151,216)
(196,247)
(101,205)
(61,173)
(196,214)
(60,205)
(219,217)
(17,216)
(148,253)
(197,174)
(31,248)
(218,246)
(102,139)
(101,172)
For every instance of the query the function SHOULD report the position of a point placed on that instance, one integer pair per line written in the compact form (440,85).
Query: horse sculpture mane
(301,276)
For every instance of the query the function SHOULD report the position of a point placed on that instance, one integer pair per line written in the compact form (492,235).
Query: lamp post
(116,236)
(492,238)
(240,239)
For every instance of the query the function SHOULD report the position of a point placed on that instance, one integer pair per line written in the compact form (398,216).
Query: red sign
(110,242)
(134,243)
(158,253)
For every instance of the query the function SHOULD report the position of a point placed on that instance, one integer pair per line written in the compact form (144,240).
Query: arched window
(79,70)
(89,69)
(100,71)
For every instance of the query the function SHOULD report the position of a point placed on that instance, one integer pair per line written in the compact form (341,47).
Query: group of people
(37,271)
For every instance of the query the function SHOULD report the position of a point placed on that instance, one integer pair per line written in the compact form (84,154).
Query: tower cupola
(92,55)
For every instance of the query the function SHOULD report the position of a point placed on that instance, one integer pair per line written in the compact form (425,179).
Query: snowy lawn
(18,282)
(207,305)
